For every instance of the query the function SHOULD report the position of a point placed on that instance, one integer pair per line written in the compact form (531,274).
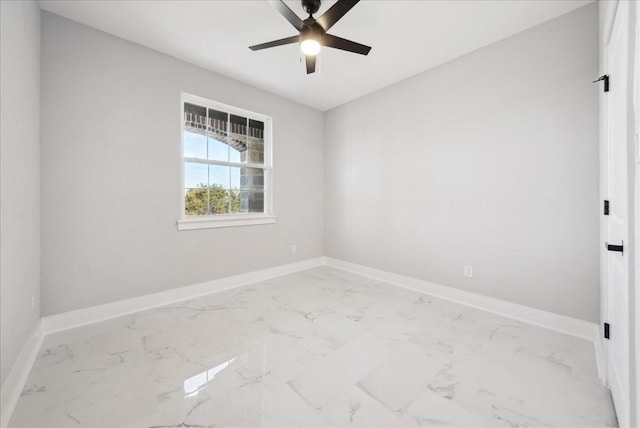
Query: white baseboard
(80,317)
(14,383)
(561,323)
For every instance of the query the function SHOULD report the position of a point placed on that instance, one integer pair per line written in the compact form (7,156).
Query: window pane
(219,116)
(195,118)
(234,194)
(218,149)
(235,178)
(256,151)
(194,110)
(236,150)
(195,145)
(256,129)
(219,200)
(219,189)
(219,176)
(238,138)
(255,139)
(251,202)
(218,136)
(251,190)
(196,201)
(238,125)
(251,178)
(195,175)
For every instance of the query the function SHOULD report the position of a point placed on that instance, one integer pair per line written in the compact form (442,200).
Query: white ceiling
(407,37)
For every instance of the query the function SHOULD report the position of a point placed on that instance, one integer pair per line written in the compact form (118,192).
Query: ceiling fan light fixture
(310,47)
(313,32)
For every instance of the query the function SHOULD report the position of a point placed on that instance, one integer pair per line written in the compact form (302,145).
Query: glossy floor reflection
(317,348)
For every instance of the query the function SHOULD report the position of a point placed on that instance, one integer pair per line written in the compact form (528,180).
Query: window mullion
(206,131)
(229,132)
(229,191)
(223,163)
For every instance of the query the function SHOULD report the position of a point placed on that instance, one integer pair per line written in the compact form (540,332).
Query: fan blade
(311,63)
(288,14)
(344,44)
(335,12)
(274,43)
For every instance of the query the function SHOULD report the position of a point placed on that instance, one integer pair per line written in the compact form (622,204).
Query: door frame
(635,350)
(611,12)
(620,31)
(607,12)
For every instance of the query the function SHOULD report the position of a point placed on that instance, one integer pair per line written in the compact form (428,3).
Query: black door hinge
(604,77)
(606,207)
(606,330)
(616,248)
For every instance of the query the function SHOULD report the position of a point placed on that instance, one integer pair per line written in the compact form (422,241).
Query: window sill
(230,221)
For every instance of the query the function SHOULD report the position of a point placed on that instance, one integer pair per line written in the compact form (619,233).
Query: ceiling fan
(313,32)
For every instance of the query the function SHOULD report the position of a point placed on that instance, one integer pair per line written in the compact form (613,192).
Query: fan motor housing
(311,6)
(312,31)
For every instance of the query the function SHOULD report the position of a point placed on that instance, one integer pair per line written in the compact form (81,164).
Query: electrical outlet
(468,271)
(294,248)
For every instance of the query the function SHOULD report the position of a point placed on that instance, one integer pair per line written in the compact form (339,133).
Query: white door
(617,222)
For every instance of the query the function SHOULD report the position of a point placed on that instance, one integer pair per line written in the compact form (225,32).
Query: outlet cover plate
(468,271)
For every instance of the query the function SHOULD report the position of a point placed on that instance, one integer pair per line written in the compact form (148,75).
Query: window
(226,158)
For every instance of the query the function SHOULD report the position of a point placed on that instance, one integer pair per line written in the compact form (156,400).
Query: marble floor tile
(318,348)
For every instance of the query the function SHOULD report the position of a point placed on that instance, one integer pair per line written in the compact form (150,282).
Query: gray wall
(490,160)
(19,177)
(111,173)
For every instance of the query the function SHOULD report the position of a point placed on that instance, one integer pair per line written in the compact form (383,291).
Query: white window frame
(228,220)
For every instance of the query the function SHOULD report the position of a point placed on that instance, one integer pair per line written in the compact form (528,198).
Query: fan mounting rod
(311,6)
